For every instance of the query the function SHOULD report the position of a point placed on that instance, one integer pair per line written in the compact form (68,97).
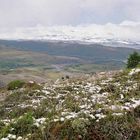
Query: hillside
(88,52)
(104,106)
(96,57)
(17,57)
(31,65)
(43,61)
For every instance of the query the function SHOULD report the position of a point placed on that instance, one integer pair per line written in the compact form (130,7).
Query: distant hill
(94,52)
(72,56)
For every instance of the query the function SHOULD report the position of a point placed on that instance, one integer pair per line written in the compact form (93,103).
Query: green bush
(24,125)
(133,60)
(33,86)
(15,84)
(137,111)
(4,131)
(80,126)
(1,125)
(120,127)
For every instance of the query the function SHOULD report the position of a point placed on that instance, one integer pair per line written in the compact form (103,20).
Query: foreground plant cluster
(74,109)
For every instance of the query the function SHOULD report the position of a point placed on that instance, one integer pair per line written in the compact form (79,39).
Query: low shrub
(119,127)
(16,84)
(24,125)
(137,112)
(33,86)
(1,125)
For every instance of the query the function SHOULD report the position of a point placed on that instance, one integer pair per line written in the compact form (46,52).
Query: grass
(92,68)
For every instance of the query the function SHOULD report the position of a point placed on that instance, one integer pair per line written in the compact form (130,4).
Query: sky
(28,13)
(119,19)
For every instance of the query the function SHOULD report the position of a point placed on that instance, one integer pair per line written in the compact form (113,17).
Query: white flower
(117,114)
(19,138)
(11,136)
(134,71)
(40,121)
(5,139)
(122,97)
(62,119)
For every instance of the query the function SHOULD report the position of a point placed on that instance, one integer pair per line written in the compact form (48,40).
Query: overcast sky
(23,13)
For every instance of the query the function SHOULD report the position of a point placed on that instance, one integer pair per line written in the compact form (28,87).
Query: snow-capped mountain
(126,33)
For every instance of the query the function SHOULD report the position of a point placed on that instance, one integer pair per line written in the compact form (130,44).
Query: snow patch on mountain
(127,32)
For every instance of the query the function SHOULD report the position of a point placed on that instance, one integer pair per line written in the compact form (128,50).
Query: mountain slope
(87,108)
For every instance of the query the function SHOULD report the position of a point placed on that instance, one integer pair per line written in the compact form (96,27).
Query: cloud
(124,31)
(131,10)
(32,12)
(17,13)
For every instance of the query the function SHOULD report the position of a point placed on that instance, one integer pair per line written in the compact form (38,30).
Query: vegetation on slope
(74,109)
(133,60)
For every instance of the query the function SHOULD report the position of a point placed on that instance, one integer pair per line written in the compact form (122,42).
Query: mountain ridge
(125,34)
